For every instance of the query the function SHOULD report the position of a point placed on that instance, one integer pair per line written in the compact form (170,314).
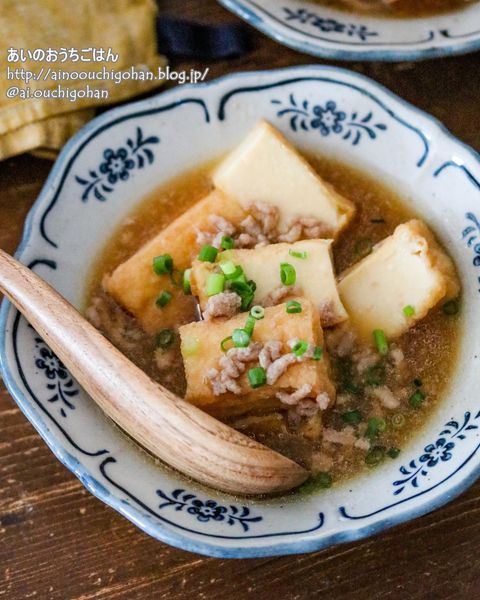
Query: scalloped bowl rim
(280,34)
(130,512)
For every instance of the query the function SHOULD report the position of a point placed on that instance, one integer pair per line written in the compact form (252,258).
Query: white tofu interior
(267,168)
(315,278)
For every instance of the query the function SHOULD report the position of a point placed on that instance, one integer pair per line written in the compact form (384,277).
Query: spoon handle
(173,430)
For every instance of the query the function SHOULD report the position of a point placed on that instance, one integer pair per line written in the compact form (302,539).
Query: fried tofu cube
(315,278)
(267,168)
(135,286)
(262,424)
(407,269)
(201,351)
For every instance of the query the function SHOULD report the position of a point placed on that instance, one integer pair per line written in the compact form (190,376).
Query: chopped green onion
(228,268)
(176,277)
(238,276)
(165,338)
(163,299)
(241,287)
(246,301)
(297,254)
(320,480)
(375,426)
(246,291)
(257,376)
(323,480)
(393,452)
(317,353)
(416,399)
(300,348)
(375,456)
(381,425)
(293,307)
(208,253)
(257,312)
(227,242)
(351,388)
(288,275)
(346,373)
(363,247)
(408,310)
(417,382)
(224,342)
(163,264)
(398,420)
(250,325)
(450,308)
(352,416)
(190,345)
(215,284)
(186,281)
(380,341)
(240,338)
(376,375)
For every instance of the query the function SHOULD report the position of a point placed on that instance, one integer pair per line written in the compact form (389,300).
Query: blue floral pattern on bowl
(440,450)
(472,235)
(206,510)
(117,165)
(58,378)
(306,17)
(328,118)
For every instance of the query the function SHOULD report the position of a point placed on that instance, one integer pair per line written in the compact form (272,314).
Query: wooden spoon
(177,432)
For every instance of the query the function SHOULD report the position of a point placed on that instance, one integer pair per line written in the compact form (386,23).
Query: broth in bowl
(330,311)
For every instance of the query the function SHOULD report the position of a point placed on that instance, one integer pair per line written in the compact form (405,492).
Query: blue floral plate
(330,33)
(121,156)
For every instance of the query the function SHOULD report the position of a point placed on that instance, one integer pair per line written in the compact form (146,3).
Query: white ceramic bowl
(175,131)
(323,31)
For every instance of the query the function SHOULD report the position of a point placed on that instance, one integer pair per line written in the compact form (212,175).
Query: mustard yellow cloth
(127,27)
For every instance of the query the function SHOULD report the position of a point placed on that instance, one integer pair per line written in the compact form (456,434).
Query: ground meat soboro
(203,367)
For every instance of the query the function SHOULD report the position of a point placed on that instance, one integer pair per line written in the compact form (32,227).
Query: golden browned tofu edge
(277,325)
(445,282)
(440,259)
(135,286)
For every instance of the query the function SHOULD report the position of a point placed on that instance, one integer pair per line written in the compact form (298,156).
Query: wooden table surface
(59,542)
